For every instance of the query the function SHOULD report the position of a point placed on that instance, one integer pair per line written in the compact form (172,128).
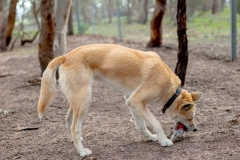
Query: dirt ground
(108,129)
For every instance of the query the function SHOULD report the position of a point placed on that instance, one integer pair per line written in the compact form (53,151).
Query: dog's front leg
(141,126)
(142,111)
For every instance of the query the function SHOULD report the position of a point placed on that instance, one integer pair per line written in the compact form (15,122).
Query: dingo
(142,76)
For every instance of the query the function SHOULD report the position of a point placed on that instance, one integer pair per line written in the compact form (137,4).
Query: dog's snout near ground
(195,130)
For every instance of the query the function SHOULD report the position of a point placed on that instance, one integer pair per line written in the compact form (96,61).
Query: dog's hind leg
(68,121)
(79,104)
(140,124)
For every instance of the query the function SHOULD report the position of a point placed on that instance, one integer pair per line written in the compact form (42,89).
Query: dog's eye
(190,119)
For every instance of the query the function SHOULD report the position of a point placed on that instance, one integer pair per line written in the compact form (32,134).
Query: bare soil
(109,130)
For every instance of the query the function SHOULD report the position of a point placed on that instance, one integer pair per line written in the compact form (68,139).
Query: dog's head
(183,109)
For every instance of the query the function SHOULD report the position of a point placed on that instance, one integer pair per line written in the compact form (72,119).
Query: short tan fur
(141,76)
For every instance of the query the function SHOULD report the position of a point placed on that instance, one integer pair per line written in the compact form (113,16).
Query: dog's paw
(85,152)
(166,142)
(152,137)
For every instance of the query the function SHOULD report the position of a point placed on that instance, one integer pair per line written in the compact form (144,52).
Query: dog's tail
(48,85)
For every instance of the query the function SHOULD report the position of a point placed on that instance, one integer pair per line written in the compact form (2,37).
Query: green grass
(210,27)
(201,27)
(134,31)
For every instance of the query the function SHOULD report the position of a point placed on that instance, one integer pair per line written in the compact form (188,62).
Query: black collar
(171,100)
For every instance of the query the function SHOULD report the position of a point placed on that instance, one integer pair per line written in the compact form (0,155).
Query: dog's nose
(195,129)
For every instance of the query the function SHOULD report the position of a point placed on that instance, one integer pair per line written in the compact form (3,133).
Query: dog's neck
(171,100)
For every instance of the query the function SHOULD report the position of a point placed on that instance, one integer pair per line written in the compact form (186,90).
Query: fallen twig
(32,82)
(8,111)
(5,75)
(25,128)
(55,106)
(52,120)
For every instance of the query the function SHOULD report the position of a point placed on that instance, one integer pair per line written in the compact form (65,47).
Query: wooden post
(233,7)
(119,22)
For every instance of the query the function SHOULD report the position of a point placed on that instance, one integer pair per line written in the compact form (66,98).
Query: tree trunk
(144,15)
(110,11)
(156,24)
(204,6)
(85,11)
(222,5)
(78,17)
(129,12)
(3,46)
(46,39)
(214,7)
(172,11)
(70,23)
(182,63)
(35,13)
(62,14)
(11,20)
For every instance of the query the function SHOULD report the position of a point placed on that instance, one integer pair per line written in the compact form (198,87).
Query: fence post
(93,17)
(78,17)
(233,6)
(119,22)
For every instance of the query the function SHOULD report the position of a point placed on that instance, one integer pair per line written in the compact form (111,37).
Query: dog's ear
(187,106)
(196,95)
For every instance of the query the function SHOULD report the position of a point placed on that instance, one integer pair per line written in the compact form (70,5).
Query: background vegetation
(205,24)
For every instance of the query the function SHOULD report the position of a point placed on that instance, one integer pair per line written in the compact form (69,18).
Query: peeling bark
(46,39)
(156,24)
(11,20)
(62,12)
(181,67)
(3,46)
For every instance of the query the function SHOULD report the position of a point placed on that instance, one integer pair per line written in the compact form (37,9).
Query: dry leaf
(35,81)
(238,115)
(234,120)
(227,110)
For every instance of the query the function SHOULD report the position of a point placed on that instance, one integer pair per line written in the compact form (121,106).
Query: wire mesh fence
(208,22)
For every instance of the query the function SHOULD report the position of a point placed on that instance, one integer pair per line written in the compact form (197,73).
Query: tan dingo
(141,76)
